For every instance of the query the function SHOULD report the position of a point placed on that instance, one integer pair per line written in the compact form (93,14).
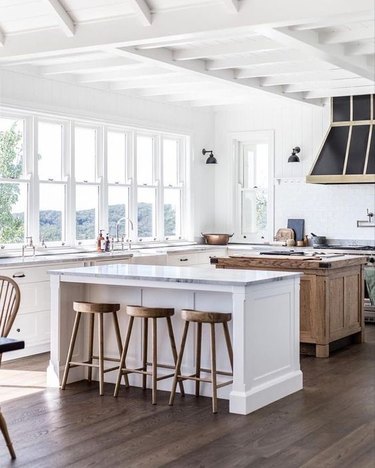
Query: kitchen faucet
(29,244)
(130,227)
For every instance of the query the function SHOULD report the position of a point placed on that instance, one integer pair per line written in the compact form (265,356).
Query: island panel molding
(264,329)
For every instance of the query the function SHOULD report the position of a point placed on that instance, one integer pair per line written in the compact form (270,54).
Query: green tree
(11,225)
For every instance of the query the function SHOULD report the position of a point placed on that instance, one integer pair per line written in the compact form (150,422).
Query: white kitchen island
(264,326)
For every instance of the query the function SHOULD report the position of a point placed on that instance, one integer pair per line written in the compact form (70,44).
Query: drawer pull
(18,330)
(184,259)
(19,275)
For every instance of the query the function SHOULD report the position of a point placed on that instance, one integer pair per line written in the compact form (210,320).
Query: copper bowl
(216,239)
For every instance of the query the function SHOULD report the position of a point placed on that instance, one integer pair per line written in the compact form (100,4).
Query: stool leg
(123,356)
(229,343)
(91,345)
(154,359)
(174,351)
(198,358)
(71,348)
(119,343)
(213,369)
(101,356)
(144,351)
(178,365)
(4,430)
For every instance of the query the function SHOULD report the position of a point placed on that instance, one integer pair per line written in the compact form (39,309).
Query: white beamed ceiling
(195,52)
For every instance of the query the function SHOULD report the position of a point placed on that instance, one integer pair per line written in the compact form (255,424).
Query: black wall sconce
(211,158)
(293,157)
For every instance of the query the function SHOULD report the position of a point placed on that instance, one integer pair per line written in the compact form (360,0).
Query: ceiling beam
(357,32)
(256,44)
(341,18)
(351,91)
(325,84)
(255,60)
(122,74)
(165,57)
(65,21)
(300,77)
(144,82)
(361,48)
(177,25)
(277,69)
(308,42)
(142,11)
(181,88)
(232,5)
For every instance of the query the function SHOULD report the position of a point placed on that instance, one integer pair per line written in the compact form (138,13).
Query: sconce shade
(293,158)
(211,158)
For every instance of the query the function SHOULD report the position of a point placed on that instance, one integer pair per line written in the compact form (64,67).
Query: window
(81,176)
(13,196)
(254,189)
(172,188)
(52,187)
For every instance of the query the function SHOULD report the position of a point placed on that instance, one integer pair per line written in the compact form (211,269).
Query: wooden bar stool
(147,313)
(200,318)
(93,309)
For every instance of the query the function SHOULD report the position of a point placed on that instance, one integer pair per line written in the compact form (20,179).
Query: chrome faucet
(130,227)
(29,244)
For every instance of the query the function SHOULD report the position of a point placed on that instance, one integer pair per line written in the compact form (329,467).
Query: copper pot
(216,239)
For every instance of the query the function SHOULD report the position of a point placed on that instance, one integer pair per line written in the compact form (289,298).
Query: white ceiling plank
(255,60)
(232,5)
(308,41)
(223,49)
(177,24)
(2,38)
(217,101)
(165,56)
(179,88)
(352,91)
(65,21)
(277,69)
(325,84)
(142,11)
(361,48)
(92,66)
(301,77)
(145,82)
(356,32)
(122,74)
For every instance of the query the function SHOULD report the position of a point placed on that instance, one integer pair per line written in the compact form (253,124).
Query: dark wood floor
(328,424)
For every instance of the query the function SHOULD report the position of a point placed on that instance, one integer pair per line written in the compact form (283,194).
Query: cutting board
(298,226)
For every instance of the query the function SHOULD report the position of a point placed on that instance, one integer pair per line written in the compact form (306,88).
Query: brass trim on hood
(341,179)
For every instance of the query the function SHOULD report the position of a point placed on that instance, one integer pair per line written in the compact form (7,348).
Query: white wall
(327,209)
(34,93)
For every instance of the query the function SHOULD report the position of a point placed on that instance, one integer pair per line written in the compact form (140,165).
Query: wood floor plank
(329,424)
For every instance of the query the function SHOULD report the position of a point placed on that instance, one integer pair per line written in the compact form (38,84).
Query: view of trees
(11,225)
(50,221)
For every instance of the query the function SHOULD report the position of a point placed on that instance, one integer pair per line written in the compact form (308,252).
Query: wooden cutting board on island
(331,296)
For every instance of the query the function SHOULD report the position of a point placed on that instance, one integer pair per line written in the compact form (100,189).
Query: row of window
(62,181)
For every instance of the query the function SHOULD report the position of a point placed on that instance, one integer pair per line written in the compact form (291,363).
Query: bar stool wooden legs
(153,314)
(99,310)
(200,318)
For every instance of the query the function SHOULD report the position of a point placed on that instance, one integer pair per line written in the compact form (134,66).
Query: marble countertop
(176,274)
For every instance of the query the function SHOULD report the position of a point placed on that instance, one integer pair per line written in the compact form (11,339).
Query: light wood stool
(93,309)
(211,318)
(147,313)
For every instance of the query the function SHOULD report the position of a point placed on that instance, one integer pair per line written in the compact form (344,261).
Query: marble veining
(173,274)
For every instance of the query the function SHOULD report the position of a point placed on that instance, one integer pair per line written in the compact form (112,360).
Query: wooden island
(331,296)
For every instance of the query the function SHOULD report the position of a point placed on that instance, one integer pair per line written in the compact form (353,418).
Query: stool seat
(95,308)
(92,311)
(205,317)
(149,312)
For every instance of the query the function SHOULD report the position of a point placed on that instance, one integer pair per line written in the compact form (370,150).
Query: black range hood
(347,155)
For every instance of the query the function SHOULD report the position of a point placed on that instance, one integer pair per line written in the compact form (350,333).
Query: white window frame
(237,141)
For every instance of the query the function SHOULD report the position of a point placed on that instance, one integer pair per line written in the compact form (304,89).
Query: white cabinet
(32,323)
(184,259)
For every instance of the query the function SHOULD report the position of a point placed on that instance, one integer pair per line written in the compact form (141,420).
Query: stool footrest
(88,364)
(202,379)
(143,372)
(107,359)
(230,374)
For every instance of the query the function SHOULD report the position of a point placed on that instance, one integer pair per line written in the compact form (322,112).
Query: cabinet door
(204,258)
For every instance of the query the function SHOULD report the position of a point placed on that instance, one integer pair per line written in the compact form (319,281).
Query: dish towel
(370,284)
